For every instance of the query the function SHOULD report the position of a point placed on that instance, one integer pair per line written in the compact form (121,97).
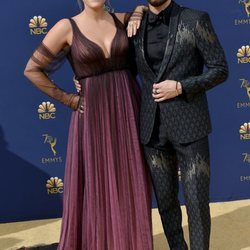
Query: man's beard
(157,3)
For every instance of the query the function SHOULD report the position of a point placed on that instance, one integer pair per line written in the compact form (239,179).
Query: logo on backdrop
(46,111)
(245,86)
(54,186)
(51,142)
(38,25)
(246,158)
(245,178)
(246,9)
(243,54)
(246,4)
(245,131)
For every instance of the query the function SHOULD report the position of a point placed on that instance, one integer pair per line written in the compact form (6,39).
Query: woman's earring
(107,6)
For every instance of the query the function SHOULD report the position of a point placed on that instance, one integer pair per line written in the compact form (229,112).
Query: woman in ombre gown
(107,195)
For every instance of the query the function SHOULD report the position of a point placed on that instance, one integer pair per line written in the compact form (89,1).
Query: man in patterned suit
(172,46)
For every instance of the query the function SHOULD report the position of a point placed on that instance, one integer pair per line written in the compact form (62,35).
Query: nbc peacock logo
(46,111)
(243,54)
(245,131)
(54,185)
(38,25)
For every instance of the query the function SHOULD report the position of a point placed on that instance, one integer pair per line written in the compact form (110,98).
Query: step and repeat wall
(34,127)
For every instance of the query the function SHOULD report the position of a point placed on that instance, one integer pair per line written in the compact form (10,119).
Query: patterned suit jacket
(192,43)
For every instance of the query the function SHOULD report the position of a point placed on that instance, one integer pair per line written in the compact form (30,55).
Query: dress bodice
(87,58)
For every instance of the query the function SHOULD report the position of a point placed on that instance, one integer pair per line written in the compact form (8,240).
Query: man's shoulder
(193,14)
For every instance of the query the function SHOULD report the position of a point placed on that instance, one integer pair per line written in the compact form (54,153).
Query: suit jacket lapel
(173,26)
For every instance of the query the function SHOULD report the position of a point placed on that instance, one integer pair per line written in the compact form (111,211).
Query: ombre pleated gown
(107,199)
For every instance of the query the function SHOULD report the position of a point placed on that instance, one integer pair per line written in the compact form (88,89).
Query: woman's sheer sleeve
(40,65)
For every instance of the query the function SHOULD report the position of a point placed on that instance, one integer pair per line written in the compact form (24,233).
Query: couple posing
(107,199)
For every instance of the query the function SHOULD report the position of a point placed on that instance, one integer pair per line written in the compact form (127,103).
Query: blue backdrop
(33,127)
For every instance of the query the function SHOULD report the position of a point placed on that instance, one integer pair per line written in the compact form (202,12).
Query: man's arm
(213,56)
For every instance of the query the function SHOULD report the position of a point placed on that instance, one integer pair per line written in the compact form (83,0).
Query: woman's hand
(77,84)
(81,101)
(135,20)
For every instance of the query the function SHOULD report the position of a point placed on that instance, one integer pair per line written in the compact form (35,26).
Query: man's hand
(165,90)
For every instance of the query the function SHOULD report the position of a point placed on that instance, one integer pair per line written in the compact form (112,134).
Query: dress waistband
(82,78)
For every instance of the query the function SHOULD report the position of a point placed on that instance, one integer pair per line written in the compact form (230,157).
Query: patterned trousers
(191,160)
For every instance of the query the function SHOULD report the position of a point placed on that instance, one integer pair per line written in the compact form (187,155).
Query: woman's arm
(132,20)
(57,39)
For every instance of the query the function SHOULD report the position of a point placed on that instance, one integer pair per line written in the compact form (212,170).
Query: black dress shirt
(156,37)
